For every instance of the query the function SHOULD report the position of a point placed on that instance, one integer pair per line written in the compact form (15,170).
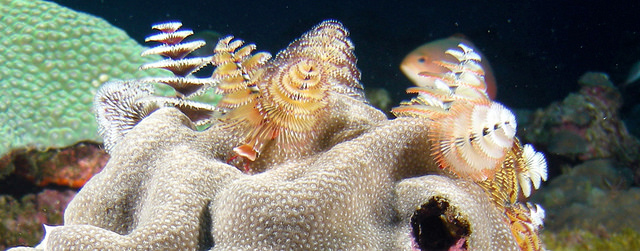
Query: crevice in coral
(436,226)
(16,186)
(205,231)
(29,171)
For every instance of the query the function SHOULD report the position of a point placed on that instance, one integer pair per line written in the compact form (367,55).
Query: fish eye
(421,60)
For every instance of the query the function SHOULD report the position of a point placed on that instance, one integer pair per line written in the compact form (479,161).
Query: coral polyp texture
(293,158)
(53,61)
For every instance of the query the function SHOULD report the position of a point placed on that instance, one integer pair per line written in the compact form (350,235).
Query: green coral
(53,60)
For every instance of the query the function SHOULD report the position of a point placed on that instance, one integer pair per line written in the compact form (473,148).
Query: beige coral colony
(294,158)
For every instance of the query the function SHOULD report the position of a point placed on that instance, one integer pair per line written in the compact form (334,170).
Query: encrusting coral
(54,60)
(294,158)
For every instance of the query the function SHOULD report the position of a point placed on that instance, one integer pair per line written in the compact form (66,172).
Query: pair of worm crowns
(473,137)
(279,100)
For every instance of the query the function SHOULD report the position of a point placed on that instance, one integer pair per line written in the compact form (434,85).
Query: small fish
(424,58)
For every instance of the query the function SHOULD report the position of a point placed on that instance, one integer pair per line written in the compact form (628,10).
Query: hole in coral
(437,226)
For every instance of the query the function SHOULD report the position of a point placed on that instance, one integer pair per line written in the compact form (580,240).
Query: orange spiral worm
(237,71)
(469,134)
(473,143)
(283,100)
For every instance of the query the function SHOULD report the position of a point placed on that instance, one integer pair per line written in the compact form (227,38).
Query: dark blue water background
(538,49)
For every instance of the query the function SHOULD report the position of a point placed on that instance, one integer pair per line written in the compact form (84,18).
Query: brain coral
(53,61)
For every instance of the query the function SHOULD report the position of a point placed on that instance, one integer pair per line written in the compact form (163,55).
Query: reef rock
(585,126)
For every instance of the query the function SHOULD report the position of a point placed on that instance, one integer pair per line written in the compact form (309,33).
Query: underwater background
(535,47)
(587,124)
